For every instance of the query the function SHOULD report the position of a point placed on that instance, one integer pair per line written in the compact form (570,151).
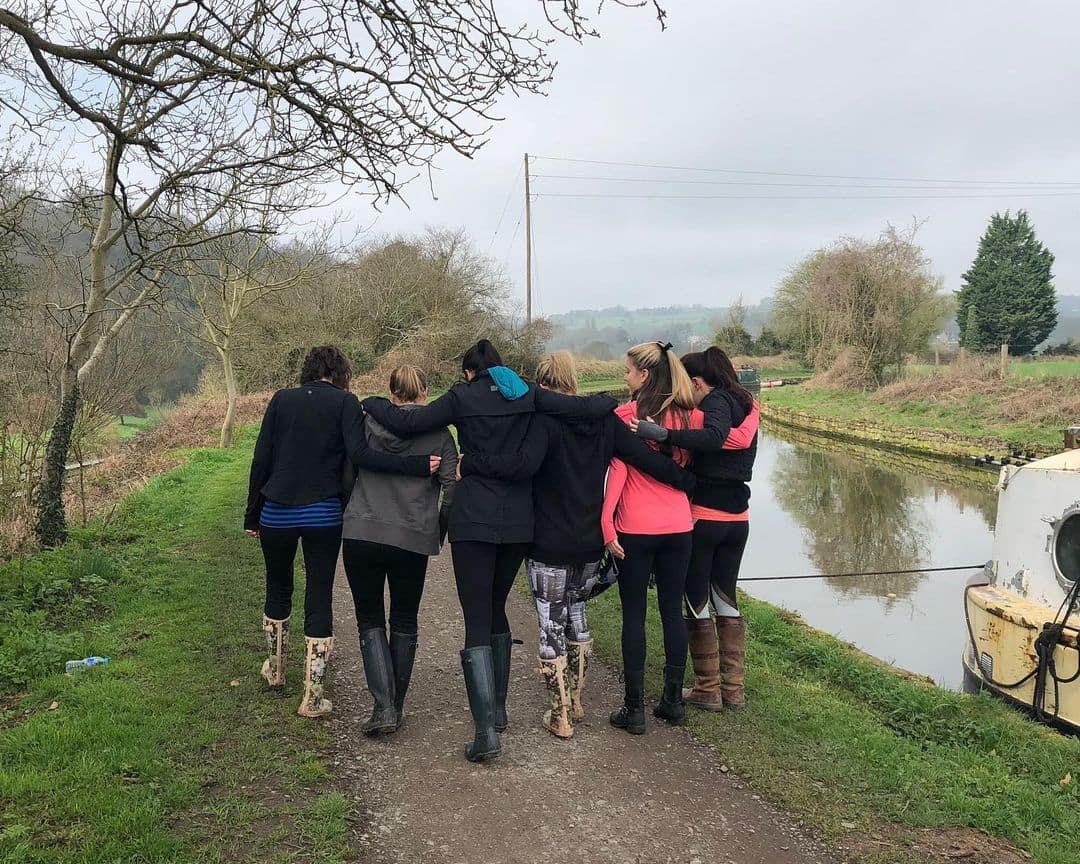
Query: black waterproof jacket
(568,460)
(308,437)
(722,475)
(487,509)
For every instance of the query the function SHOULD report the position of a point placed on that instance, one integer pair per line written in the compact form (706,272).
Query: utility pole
(528,246)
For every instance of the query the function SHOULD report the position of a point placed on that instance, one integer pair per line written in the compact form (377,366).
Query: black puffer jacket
(487,509)
(723,475)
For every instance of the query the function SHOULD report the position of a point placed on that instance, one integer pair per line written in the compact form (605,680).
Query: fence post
(1004,361)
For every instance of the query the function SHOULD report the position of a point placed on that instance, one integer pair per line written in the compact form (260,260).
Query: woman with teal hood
(491,520)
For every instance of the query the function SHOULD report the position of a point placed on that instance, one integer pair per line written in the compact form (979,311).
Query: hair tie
(665,346)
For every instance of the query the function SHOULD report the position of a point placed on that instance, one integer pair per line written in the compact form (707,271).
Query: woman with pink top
(649,527)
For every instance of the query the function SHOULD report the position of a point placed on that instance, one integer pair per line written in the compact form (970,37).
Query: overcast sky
(985,90)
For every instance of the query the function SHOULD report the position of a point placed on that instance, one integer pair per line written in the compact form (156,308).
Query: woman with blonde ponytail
(649,527)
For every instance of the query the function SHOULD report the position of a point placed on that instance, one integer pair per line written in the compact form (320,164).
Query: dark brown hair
(714,367)
(326,361)
(481,356)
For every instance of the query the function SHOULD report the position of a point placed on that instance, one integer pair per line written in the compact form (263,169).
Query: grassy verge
(858,750)
(174,752)
(959,427)
(128,426)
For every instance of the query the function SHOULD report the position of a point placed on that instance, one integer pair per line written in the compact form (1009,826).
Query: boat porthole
(1066,547)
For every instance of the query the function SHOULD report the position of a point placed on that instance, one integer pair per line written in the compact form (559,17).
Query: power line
(810,176)
(773,184)
(1003,194)
(506,204)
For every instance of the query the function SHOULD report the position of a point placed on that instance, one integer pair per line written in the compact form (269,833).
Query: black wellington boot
(631,716)
(671,706)
(379,672)
(501,643)
(402,655)
(480,685)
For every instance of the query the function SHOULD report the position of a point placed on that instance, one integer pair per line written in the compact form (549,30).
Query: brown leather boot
(277,647)
(577,664)
(731,634)
(557,719)
(314,703)
(705,657)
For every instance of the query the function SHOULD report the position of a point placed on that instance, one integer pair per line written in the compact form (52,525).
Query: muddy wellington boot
(314,704)
(577,664)
(480,687)
(501,643)
(631,716)
(705,658)
(402,655)
(379,672)
(557,717)
(731,633)
(277,647)
(671,707)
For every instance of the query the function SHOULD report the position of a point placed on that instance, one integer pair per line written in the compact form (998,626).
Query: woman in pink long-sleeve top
(649,527)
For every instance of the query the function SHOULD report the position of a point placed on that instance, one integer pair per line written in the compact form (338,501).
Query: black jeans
(667,556)
(714,564)
(321,547)
(485,573)
(368,567)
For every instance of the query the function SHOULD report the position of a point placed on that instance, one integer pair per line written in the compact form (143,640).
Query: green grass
(132,426)
(156,757)
(974,416)
(837,738)
(1062,367)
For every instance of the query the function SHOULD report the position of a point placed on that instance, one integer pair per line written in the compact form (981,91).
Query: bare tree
(189,107)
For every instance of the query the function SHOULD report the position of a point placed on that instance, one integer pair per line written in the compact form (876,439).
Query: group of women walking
(575,487)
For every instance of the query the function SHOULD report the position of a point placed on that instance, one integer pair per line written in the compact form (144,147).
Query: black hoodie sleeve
(261,464)
(717,427)
(511,466)
(633,451)
(425,418)
(363,456)
(565,407)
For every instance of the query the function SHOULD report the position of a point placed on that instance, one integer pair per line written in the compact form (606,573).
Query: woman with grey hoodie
(391,527)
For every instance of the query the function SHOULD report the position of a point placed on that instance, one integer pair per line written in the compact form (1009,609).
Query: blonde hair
(668,387)
(558,372)
(408,383)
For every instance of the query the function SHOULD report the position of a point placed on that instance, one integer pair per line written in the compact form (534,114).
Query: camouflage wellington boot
(314,703)
(577,664)
(557,718)
(277,646)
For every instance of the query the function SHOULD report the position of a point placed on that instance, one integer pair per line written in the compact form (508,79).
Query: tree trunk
(231,396)
(51,525)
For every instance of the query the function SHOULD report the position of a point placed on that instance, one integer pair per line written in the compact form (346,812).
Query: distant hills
(607,333)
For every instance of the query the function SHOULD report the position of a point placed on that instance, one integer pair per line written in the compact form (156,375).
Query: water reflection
(855,518)
(820,508)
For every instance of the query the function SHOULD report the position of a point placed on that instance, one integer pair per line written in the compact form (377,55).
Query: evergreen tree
(1008,292)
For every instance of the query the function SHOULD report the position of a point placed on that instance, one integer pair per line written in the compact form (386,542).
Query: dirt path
(604,796)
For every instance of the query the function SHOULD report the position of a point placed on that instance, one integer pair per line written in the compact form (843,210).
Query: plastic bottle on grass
(73,666)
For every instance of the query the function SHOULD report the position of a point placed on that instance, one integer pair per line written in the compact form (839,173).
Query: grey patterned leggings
(560,594)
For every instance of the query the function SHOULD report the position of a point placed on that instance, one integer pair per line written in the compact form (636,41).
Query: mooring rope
(865,573)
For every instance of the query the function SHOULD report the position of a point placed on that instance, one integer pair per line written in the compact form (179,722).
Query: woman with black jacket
(296,492)
(724,453)
(568,460)
(491,521)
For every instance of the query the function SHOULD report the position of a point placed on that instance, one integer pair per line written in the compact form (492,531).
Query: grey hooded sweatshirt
(397,510)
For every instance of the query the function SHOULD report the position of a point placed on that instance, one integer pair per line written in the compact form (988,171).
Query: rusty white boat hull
(1023,611)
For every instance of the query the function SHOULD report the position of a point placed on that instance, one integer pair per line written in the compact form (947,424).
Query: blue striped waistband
(320,514)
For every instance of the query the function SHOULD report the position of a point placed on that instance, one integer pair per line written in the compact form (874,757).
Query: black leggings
(714,565)
(321,547)
(667,556)
(368,567)
(485,573)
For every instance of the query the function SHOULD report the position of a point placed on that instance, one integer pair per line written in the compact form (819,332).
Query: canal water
(818,509)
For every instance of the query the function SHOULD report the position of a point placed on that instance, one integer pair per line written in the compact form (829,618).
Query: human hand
(433,463)
(251,533)
(616,550)
(457,474)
